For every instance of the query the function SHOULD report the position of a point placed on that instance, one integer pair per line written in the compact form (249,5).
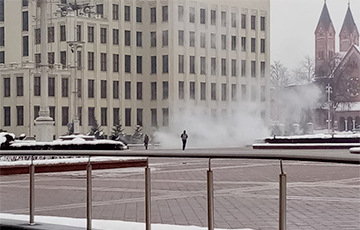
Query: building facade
(139,61)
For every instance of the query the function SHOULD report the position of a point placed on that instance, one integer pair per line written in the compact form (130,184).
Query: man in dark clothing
(184,137)
(146,141)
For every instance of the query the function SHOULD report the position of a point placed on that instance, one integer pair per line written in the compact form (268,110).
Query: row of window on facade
(65,119)
(139,89)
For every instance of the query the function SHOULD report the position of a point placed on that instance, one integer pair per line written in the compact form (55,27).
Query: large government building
(138,61)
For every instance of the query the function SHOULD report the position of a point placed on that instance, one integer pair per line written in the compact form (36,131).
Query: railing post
(210,197)
(88,196)
(32,192)
(282,199)
(147,197)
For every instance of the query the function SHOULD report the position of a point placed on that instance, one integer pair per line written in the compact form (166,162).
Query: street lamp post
(329,91)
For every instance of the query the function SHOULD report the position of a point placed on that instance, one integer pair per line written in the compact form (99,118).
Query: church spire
(349,34)
(324,20)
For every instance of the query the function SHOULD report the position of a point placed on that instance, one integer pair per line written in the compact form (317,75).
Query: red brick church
(338,69)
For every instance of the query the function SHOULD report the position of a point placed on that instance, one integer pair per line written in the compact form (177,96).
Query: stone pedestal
(310,128)
(44,126)
(76,126)
(296,129)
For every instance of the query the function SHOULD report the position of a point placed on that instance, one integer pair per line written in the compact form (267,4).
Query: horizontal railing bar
(294,155)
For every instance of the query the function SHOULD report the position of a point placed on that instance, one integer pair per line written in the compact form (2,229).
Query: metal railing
(303,155)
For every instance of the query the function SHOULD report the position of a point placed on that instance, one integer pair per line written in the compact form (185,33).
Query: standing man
(184,138)
(146,141)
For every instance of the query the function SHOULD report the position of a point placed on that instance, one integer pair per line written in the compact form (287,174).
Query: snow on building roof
(353,107)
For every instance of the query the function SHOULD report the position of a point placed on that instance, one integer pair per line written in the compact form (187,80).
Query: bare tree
(306,72)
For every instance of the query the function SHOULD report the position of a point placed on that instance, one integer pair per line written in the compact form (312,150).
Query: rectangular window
(103,89)
(253,69)
(64,116)
(127,13)
(180,13)
(262,23)
(165,38)
(223,18)
(79,111)
(104,116)
(233,92)
(103,35)
(181,63)
(223,92)
(79,87)
(153,39)
(37,86)
(253,45)
(139,117)
(203,91)
(127,90)
(19,86)
(153,64)
(51,87)
(213,91)
(213,41)
(115,37)
(202,65)
(116,89)
(64,87)
(192,15)
(262,96)
(115,63)
(243,44)
(36,111)
(153,117)
(103,61)
(138,64)
(52,112)
(100,9)
(153,15)
(2,10)
(181,38)
(91,88)
(115,11)
(192,38)
(253,22)
(139,87)
(223,66)
(253,93)
(233,68)
(213,17)
(243,92)
(262,69)
(153,91)
(25,3)
(62,33)
(181,90)
(202,40)
(25,51)
(192,64)
(79,60)
(78,33)
(51,33)
(37,59)
(192,90)
(91,116)
(233,42)
(262,46)
(25,21)
(233,20)
(223,42)
(213,66)
(63,58)
(37,36)
(165,13)
(165,116)
(116,116)
(90,34)
(165,90)
(139,39)
(165,63)
(202,16)
(7,116)
(127,64)
(243,21)
(138,14)
(90,60)
(7,87)
(127,39)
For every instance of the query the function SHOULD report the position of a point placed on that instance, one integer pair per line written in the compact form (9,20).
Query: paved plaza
(319,195)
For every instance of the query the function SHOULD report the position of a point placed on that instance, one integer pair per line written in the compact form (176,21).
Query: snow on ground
(319,135)
(100,224)
(355,150)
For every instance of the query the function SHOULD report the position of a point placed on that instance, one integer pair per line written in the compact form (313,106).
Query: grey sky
(293,23)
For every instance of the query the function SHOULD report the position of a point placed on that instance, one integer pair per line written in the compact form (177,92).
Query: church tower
(324,43)
(349,34)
